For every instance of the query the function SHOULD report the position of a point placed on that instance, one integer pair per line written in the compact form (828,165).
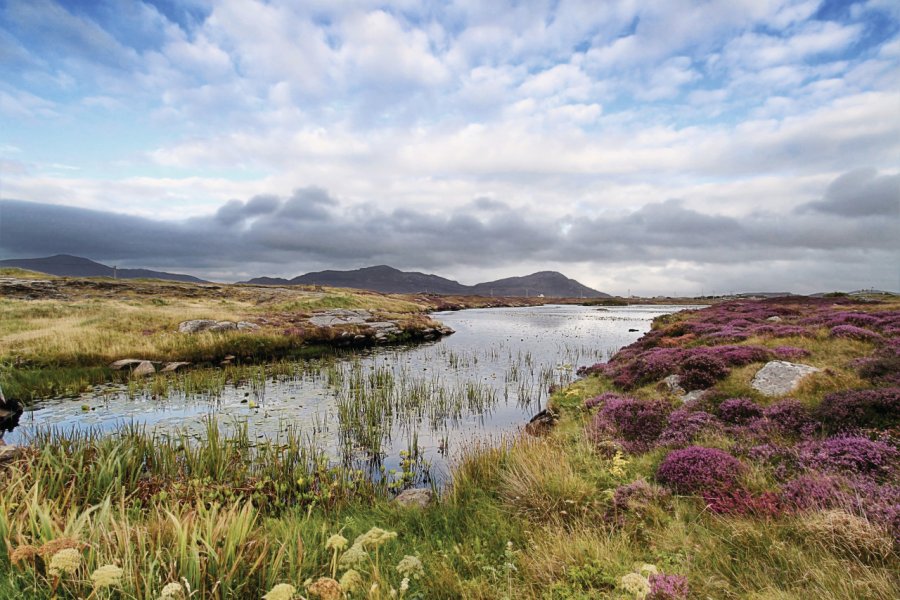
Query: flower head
(64,562)
(411,567)
(325,588)
(107,576)
(647,570)
(375,537)
(636,585)
(24,553)
(355,557)
(336,542)
(53,546)
(351,581)
(281,591)
(172,591)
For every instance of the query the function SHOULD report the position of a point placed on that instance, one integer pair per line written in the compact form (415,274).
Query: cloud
(311,229)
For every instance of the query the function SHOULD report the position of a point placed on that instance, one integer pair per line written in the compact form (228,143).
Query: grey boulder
(779,377)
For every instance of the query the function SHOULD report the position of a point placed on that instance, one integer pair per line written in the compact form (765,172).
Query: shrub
(853,455)
(739,411)
(861,408)
(636,423)
(668,587)
(856,333)
(697,469)
(685,426)
(600,400)
(701,371)
(742,502)
(883,368)
(789,417)
(814,492)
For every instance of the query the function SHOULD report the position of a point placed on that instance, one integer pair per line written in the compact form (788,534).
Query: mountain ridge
(67,265)
(389,280)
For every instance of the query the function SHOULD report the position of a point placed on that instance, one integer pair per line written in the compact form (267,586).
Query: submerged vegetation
(635,493)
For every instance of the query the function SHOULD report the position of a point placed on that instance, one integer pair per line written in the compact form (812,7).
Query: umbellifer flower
(172,591)
(23,554)
(636,584)
(336,542)
(107,576)
(64,562)
(325,588)
(411,567)
(355,557)
(351,581)
(374,538)
(281,591)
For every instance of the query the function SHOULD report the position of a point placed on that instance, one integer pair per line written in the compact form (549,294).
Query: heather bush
(636,424)
(881,368)
(701,371)
(697,469)
(856,333)
(852,455)
(639,499)
(742,502)
(685,426)
(789,417)
(814,492)
(668,587)
(879,408)
(739,411)
(600,400)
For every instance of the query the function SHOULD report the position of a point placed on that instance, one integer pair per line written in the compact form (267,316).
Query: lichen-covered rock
(195,325)
(142,370)
(418,497)
(779,377)
(125,362)
(173,366)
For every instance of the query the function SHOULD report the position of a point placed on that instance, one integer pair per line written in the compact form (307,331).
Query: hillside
(389,280)
(65,265)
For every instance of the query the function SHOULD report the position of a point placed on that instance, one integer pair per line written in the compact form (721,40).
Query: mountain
(383,279)
(389,280)
(66,265)
(548,283)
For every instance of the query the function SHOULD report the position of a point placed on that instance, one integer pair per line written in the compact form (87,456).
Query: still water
(484,381)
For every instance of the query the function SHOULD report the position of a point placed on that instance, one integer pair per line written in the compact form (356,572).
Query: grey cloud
(860,193)
(311,230)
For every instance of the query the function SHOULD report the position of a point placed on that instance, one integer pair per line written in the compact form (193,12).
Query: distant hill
(389,280)
(66,265)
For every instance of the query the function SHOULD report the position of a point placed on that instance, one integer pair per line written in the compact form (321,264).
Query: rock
(775,319)
(416,498)
(223,326)
(9,453)
(340,316)
(145,368)
(672,384)
(195,325)
(173,366)
(125,362)
(541,423)
(779,377)
(691,396)
(247,326)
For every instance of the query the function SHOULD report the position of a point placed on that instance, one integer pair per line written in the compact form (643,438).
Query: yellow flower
(325,588)
(107,576)
(351,581)
(410,566)
(636,585)
(172,591)
(619,462)
(281,591)
(374,538)
(66,561)
(336,542)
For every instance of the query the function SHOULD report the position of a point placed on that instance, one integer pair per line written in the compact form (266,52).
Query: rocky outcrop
(198,325)
(142,370)
(779,377)
(417,498)
(541,423)
(362,327)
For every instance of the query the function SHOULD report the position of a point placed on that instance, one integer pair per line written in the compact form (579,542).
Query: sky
(666,147)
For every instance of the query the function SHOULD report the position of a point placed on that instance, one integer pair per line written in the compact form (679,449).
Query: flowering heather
(878,408)
(668,587)
(856,333)
(601,399)
(741,502)
(814,492)
(853,455)
(790,352)
(883,367)
(696,469)
(789,417)
(739,411)
(635,423)
(685,426)
(636,495)
(701,371)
